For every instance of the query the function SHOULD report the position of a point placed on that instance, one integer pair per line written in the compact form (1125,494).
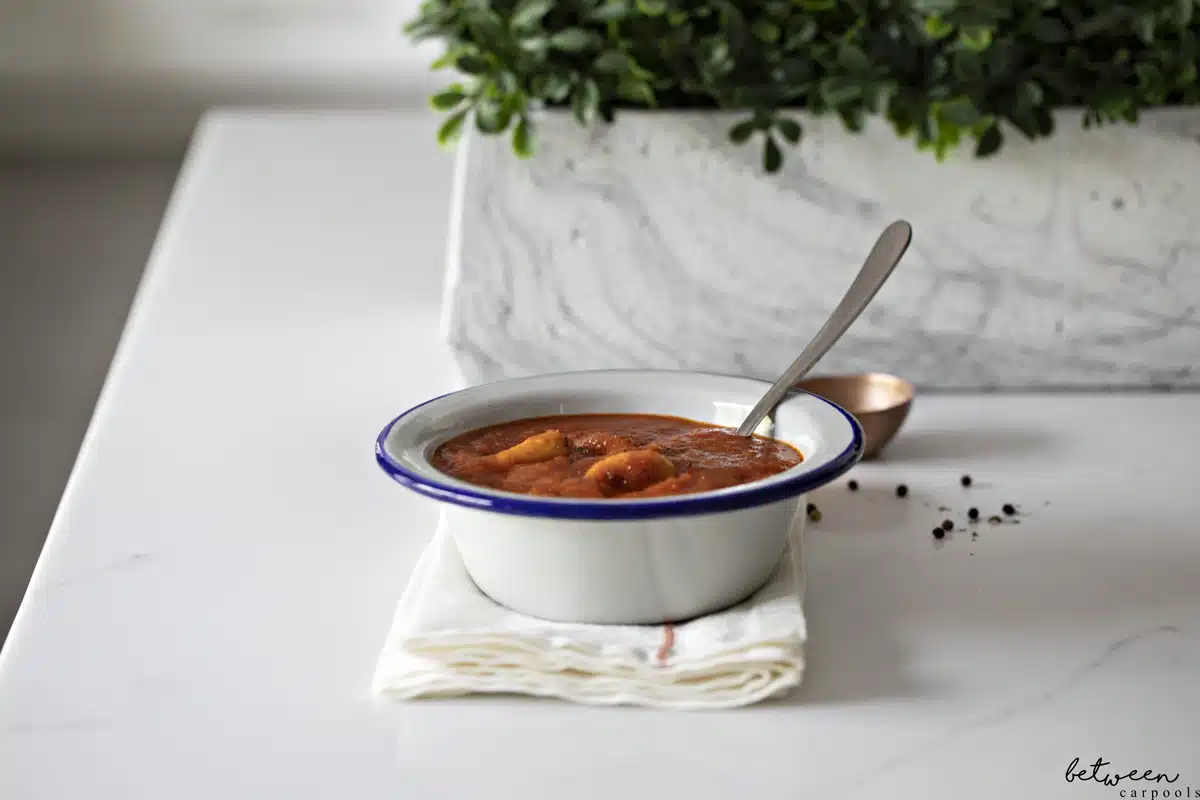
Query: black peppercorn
(901,490)
(1008,509)
(811,508)
(853,485)
(965,480)
(973,514)
(947,526)
(938,533)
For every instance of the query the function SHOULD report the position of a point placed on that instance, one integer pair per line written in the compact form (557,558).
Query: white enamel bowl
(620,561)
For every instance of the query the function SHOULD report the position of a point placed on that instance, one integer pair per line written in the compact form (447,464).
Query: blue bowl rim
(483,499)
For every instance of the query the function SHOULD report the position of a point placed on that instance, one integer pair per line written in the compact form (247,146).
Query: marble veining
(1035,702)
(655,243)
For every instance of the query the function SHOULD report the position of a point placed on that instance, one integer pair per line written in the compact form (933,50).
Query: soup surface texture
(621,456)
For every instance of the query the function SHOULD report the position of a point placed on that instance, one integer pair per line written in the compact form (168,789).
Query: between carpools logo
(1140,783)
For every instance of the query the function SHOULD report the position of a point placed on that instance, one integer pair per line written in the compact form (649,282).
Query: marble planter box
(1073,262)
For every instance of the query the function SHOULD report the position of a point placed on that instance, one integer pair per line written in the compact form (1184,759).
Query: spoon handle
(886,253)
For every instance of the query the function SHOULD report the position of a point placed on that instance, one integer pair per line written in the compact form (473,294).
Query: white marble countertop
(206,615)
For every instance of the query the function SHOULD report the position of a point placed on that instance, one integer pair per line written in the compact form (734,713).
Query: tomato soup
(620,456)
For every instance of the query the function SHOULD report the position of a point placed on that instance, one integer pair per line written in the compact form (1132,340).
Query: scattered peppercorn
(811,508)
(938,533)
(973,514)
(853,485)
(1008,509)
(947,526)
(965,480)
(815,515)
(995,520)
(901,490)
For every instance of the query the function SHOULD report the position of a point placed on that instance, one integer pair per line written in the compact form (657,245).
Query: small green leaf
(741,132)
(610,11)
(733,25)
(1184,10)
(1044,121)
(772,156)
(471,64)
(852,118)
(802,34)
(574,40)
(960,111)
(1144,25)
(1026,123)
(789,129)
(880,95)
(447,99)
(552,86)
(637,91)
(937,28)
(450,130)
(522,138)
(925,130)
(853,58)
(652,8)
(530,12)
(817,5)
(714,52)
(838,89)
(586,101)
(534,44)
(939,68)
(1031,93)
(766,30)
(420,30)
(613,61)
(447,59)
(486,26)
(507,83)
(491,116)
(989,142)
(975,38)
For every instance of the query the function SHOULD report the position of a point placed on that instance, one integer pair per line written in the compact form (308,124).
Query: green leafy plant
(940,71)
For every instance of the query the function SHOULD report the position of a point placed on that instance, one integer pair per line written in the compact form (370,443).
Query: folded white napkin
(448,638)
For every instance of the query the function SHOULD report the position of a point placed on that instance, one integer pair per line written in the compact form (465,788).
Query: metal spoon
(884,257)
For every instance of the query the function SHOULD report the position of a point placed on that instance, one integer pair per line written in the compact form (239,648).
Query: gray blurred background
(98,99)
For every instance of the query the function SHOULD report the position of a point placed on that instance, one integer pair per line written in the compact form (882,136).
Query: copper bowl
(879,402)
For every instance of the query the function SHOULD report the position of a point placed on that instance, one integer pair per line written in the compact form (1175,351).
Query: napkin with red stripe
(449,639)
